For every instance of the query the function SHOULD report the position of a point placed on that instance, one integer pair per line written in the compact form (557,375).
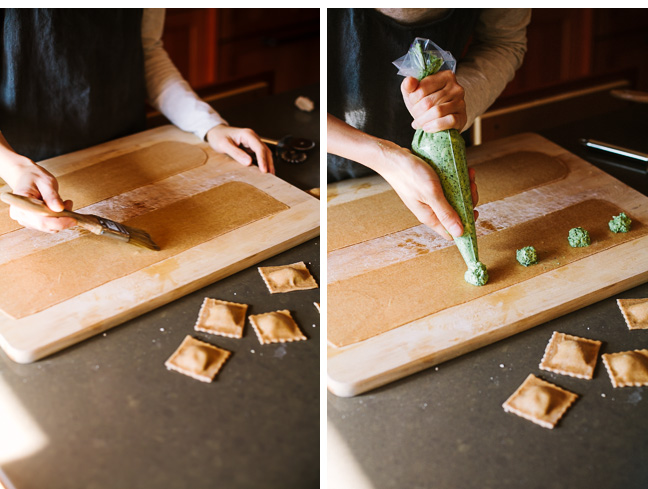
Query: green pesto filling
(476,274)
(527,256)
(578,238)
(620,223)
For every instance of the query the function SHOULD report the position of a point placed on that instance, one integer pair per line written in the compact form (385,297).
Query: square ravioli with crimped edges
(540,402)
(635,312)
(197,359)
(570,355)
(221,317)
(286,278)
(627,368)
(276,327)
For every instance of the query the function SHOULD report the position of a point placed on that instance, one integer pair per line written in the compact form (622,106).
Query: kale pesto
(578,238)
(527,256)
(620,223)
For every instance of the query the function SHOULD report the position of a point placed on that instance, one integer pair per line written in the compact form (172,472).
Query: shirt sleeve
(496,52)
(167,91)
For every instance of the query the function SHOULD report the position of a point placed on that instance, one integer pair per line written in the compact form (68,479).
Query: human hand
(227,139)
(419,187)
(31,180)
(436,103)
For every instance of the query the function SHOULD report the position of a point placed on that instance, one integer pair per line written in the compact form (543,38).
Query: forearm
(167,91)
(11,163)
(348,142)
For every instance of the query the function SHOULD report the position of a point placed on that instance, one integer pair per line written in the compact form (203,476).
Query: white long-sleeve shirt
(166,89)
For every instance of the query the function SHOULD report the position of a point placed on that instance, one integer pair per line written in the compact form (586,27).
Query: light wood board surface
(191,263)
(525,300)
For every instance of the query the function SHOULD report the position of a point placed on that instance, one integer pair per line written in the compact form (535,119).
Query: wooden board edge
(309,231)
(348,382)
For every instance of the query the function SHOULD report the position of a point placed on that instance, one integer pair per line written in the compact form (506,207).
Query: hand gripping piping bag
(445,152)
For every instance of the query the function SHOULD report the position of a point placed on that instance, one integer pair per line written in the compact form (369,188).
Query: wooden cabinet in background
(216,46)
(568,45)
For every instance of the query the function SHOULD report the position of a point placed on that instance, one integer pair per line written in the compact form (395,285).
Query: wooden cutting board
(210,215)
(396,299)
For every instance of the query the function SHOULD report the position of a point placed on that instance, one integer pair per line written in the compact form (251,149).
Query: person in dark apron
(69,79)
(370,108)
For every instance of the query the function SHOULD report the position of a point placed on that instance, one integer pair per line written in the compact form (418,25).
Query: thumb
(448,217)
(409,84)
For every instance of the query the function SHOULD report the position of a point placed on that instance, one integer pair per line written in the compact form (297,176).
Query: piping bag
(445,152)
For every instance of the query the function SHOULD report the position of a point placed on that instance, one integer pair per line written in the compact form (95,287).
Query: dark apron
(70,78)
(362,82)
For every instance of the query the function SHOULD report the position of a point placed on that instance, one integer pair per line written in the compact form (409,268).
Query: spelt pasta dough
(409,290)
(287,278)
(27,288)
(540,402)
(113,176)
(635,312)
(276,327)
(221,317)
(385,213)
(197,359)
(571,355)
(627,368)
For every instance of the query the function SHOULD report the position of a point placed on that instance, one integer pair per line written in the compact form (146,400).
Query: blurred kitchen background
(234,56)
(575,59)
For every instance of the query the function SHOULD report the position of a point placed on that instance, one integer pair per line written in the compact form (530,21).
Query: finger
(456,108)
(408,85)
(429,85)
(49,193)
(476,214)
(41,223)
(427,216)
(444,123)
(237,153)
(444,212)
(269,159)
(260,150)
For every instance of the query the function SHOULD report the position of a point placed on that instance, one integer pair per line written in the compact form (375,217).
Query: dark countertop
(445,427)
(110,415)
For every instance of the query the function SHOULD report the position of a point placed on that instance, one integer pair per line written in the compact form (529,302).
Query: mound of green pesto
(620,223)
(527,256)
(445,152)
(476,274)
(578,238)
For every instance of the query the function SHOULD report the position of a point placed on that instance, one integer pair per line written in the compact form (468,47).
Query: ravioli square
(221,317)
(197,359)
(286,278)
(635,312)
(276,327)
(627,368)
(540,402)
(571,355)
